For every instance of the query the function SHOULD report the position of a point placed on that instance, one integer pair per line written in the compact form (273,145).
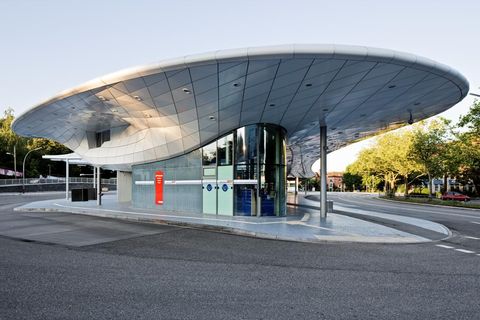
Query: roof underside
(168,109)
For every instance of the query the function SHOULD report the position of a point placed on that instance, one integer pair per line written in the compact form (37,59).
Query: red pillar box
(159,187)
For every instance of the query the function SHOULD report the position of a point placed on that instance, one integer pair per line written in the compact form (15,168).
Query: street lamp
(23,170)
(14,159)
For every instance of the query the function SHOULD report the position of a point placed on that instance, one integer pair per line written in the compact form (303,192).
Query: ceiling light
(325,110)
(137,98)
(416,104)
(102,98)
(186,90)
(211,118)
(391,86)
(272,104)
(236,84)
(308,85)
(363,115)
(334,128)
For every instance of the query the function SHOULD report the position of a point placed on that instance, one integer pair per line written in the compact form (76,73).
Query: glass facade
(242,173)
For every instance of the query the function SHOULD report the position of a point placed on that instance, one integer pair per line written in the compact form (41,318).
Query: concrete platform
(301,224)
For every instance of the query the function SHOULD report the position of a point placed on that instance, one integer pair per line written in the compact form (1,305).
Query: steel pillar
(323,172)
(67,178)
(99,188)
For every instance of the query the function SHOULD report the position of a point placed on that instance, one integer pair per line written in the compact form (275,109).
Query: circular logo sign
(224,187)
(209,187)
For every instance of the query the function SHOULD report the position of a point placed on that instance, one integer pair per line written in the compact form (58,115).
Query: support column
(323,172)
(99,188)
(67,178)
(124,186)
(94,177)
(296,185)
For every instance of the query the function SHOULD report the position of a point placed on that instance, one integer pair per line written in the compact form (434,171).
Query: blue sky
(49,46)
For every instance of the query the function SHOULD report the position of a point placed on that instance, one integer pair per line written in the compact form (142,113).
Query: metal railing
(11,182)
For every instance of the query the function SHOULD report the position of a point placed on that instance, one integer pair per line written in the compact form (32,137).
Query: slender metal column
(95,177)
(67,178)
(296,185)
(99,188)
(323,172)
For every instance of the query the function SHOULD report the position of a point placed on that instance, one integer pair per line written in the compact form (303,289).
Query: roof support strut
(323,172)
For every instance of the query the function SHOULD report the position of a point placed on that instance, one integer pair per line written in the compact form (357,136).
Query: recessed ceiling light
(272,104)
(416,103)
(137,98)
(363,115)
(102,98)
(236,84)
(308,85)
(325,109)
(340,132)
(391,86)
(211,118)
(334,128)
(186,90)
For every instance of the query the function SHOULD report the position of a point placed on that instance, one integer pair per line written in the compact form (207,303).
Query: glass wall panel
(185,167)
(246,200)
(210,154)
(246,145)
(225,150)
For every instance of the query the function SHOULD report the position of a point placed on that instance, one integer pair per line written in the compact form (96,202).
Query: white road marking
(464,251)
(444,246)
(402,207)
(473,238)
(306,217)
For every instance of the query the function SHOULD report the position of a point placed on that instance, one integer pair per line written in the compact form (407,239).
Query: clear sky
(49,46)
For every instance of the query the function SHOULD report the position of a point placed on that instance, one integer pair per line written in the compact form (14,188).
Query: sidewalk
(302,224)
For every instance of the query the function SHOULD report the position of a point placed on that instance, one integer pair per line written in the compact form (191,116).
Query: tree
(37,165)
(352,181)
(388,160)
(429,148)
(469,146)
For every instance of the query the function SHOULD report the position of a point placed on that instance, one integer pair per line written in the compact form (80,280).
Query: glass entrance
(244,172)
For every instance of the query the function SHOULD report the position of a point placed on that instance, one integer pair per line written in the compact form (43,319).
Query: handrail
(10,182)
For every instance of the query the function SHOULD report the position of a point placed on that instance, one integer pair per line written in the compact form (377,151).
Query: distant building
(335,181)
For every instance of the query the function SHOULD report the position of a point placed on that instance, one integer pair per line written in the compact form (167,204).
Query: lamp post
(14,159)
(23,169)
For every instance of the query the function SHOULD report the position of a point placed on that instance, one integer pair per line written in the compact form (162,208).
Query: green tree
(352,181)
(429,148)
(468,146)
(37,165)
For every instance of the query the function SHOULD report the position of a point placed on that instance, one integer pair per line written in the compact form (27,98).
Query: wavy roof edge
(332,51)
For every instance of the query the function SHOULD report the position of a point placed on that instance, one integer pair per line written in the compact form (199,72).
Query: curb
(219,229)
(427,204)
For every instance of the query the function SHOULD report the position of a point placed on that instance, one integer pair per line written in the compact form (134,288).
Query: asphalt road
(463,222)
(181,273)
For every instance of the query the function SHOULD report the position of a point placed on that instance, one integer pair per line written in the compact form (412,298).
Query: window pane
(225,149)
(210,154)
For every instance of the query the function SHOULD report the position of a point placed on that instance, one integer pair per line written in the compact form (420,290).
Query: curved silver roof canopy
(170,108)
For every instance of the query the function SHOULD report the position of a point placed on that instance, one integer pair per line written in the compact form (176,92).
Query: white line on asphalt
(473,238)
(444,246)
(464,251)
(402,207)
